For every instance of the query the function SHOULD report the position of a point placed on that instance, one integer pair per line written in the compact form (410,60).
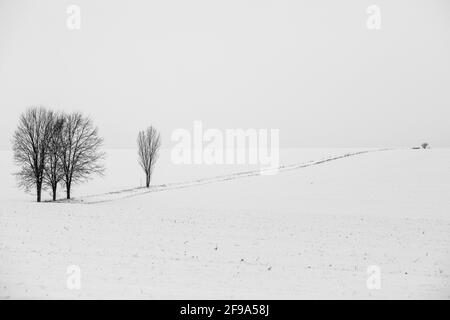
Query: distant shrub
(425,145)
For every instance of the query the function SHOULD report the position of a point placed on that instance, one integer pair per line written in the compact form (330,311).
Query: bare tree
(80,154)
(149,142)
(54,173)
(30,146)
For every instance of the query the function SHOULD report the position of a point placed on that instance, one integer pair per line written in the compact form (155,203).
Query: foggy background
(309,68)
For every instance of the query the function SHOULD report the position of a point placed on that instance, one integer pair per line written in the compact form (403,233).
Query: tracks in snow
(128,193)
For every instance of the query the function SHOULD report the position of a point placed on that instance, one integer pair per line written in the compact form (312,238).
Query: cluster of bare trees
(53,148)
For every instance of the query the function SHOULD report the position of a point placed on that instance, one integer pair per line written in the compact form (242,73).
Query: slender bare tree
(31,147)
(149,142)
(80,154)
(54,173)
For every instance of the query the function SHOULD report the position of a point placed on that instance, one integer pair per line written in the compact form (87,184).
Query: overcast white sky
(310,68)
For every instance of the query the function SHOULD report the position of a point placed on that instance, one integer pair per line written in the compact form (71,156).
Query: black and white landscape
(224,149)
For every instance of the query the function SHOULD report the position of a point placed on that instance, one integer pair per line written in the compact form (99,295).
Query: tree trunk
(68,190)
(147,183)
(54,192)
(38,191)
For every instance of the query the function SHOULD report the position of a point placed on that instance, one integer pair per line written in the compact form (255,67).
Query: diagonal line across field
(133,192)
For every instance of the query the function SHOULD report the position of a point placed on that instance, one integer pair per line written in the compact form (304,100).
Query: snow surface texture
(310,231)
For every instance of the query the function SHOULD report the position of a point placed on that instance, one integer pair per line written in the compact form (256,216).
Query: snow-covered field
(308,232)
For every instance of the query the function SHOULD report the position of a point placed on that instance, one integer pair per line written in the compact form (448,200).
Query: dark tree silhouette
(149,142)
(424,145)
(54,173)
(80,154)
(31,147)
